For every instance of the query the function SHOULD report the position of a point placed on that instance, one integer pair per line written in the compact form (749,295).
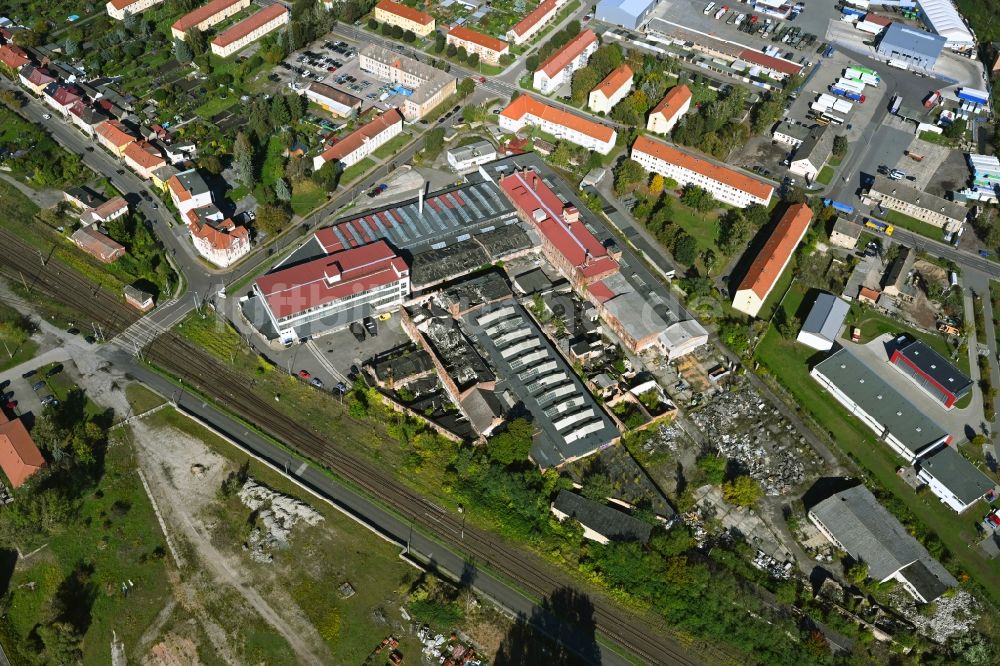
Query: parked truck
(879,225)
(849,94)
(973,95)
(842,106)
(932,99)
(896,102)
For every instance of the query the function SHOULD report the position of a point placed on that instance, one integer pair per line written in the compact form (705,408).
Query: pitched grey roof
(928,585)
(914,429)
(869,533)
(913,39)
(918,198)
(826,316)
(900,268)
(610,523)
(937,367)
(482,408)
(816,147)
(847,228)
(957,474)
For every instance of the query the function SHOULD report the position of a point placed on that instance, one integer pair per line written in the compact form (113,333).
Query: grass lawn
(914,225)
(393,146)
(216,105)
(141,399)
(835,161)
(271,170)
(14,350)
(306,195)
(355,171)
(788,362)
(790,304)
(933,137)
(338,550)
(704,227)
(115,538)
(825,175)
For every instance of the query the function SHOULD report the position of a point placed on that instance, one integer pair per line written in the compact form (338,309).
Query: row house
(526,110)
(362,142)
(143,158)
(489,49)
(249,30)
(531,25)
(206,16)
(113,135)
(407,18)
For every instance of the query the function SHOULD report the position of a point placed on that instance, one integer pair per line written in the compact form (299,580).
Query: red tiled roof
(529,193)
(178,189)
(729,177)
(770,62)
(568,52)
(614,81)
(330,278)
(65,96)
(110,207)
(114,132)
(405,12)
(249,24)
(673,101)
(143,154)
(356,139)
(467,35)
(13,56)
(865,292)
(203,13)
(100,246)
(220,240)
(38,76)
(19,457)
(528,104)
(766,267)
(877,20)
(601,291)
(537,14)
(122,4)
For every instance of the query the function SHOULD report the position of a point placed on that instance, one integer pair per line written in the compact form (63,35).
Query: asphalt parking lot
(20,389)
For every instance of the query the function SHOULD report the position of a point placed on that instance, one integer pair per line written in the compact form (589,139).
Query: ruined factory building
(600,523)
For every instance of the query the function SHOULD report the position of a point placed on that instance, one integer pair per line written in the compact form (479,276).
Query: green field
(15,346)
(825,175)
(274,161)
(216,105)
(306,196)
(914,225)
(355,171)
(393,146)
(141,399)
(789,363)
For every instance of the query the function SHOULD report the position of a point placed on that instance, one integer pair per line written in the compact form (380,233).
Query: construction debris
(277,514)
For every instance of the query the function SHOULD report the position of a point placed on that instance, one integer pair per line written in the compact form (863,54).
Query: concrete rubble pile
(278,514)
(748,430)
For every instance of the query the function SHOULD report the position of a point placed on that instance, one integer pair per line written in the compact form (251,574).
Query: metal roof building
(910,46)
(955,480)
(855,522)
(893,418)
(627,13)
(823,323)
(931,372)
(943,18)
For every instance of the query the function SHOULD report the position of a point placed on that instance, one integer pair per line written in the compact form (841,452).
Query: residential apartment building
(726,185)
(34,78)
(143,158)
(111,209)
(112,135)
(249,30)
(611,90)
(894,195)
(429,86)
(61,97)
(489,49)
(669,110)
(407,18)
(206,16)
(328,293)
(537,19)
(558,69)
(117,9)
(85,118)
(188,190)
(526,110)
(772,259)
(362,142)
(217,238)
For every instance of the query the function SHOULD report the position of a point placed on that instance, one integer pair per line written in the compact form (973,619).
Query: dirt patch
(173,650)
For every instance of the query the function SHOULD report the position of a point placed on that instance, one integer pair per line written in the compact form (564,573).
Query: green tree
(605,59)
(742,491)
(685,248)
(196,39)
(697,198)
(373,25)
(451,51)
(62,643)
(584,80)
(956,129)
(531,62)
(327,176)
(734,232)
(734,334)
(282,191)
(512,445)
(434,142)
(210,164)
(409,36)
(466,87)
(628,173)
(713,466)
(473,60)
(271,219)
(840,146)
(440,41)
(182,51)
(243,154)
(397,32)
(279,111)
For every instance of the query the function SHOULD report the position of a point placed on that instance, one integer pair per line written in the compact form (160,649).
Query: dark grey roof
(937,367)
(397,366)
(533,281)
(482,408)
(469,293)
(957,474)
(193,181)
(611,523)
(900,268)
(826,316)
(911,195)
(816,147)
(472,150)
(926,584)
(869,533)
(847,228)
(914,40)
(914,429)
(86,196)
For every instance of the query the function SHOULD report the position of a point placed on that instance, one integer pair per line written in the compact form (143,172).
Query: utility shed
(600,523)
(823,323)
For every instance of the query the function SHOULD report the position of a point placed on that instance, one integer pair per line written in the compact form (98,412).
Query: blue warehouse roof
(905,38)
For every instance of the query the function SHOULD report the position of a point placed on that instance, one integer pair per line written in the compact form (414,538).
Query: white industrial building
(943,18)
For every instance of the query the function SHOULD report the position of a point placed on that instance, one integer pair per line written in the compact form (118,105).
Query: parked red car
(304,374)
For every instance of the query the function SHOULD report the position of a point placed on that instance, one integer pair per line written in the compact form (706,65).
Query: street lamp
(461,510)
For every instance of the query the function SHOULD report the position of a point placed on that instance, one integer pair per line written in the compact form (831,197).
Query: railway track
(202,371)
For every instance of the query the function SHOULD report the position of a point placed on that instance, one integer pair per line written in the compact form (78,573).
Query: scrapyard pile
(749,431)
(277,514)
